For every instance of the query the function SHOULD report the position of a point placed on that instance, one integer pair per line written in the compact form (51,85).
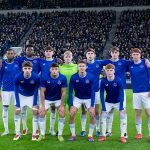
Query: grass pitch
(51,142)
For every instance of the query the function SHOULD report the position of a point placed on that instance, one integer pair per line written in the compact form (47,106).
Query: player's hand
(148,94)
(73,110)
(61,110)
(147,62)
(92,111)
(42,112)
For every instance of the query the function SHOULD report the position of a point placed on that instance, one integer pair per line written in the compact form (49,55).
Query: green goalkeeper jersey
(68,70)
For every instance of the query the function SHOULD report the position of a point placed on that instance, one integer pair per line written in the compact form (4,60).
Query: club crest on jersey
(87,81)
(6,67)
(48,82)
(59,82)
(77,81)
(44,64)
(21,81)
(115,84)
(16,65)
(106,84)
(35,61)
(119,63)
(97,66)
(131,67)
(141,66)
(32,81)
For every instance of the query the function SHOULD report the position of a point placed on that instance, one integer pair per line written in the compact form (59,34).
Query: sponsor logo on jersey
(114,84)
(87,81)
(21,81)
(32,82)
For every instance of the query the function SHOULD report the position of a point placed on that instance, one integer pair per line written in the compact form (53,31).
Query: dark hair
(29,45)
(10,50)
(48,48)
(81,62)
(114,49)
(27,64)
(54,65)
(90,50)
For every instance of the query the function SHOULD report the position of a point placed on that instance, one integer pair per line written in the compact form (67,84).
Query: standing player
(36,69)
(68,69)
(9,70)
(94,67)
(114,99)
(44,68)
(141,89)
(26,93)
(53,92)
(84,87)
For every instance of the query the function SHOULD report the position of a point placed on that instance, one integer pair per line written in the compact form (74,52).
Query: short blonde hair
(68,53)
(135,50)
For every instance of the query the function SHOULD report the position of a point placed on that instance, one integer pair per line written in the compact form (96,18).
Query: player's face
(54,71)
(90,56)
(136,56)
(109,72)
(48,53)
(27,70)
(81,68)
(67,59)
(29,51)
(10,55)
(114,54)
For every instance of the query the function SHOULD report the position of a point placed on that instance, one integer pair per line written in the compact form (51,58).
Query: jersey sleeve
(71,87)
(43,83)
(102,88)
(64,82)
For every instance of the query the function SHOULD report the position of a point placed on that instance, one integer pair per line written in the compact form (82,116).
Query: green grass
(51,142)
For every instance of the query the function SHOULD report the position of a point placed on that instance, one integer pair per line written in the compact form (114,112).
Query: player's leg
(6,98)
(103,121)
(137,105)
(35,122)
(24,120)
(72,113)
(97,114)
(17,123)
(123,125)
(109,122)
(146,104)
(61,120)
(52,120)
(83,120)
(92,120)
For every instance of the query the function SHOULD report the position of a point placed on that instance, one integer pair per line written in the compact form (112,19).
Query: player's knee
(17,111)
(122,115)
(104,115)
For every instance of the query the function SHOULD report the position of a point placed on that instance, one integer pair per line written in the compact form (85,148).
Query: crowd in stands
(133,31)
(45,4)
(13,28)
(73,30)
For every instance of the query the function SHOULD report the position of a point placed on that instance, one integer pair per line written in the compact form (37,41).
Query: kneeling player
(83,85)
(114,99)
(26,93)
(53,92)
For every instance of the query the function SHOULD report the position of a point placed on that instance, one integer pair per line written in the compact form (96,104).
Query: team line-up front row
(84,90)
